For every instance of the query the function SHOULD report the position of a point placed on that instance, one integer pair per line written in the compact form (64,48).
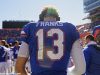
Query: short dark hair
(90,37)
(15,42)
(3,42)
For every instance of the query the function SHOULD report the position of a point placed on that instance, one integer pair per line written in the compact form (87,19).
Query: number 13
(58,43)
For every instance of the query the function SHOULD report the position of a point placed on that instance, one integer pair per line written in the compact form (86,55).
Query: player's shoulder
(69,24)
(30,24)
(27,27)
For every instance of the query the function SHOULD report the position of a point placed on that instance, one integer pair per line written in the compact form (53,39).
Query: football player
(3,55)
(49,44)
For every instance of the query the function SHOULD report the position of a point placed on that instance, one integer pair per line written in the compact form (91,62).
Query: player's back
(50,45)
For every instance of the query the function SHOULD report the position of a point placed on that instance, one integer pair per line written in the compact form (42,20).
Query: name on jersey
(49,24)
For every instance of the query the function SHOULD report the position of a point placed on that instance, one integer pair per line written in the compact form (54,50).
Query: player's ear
(58,18)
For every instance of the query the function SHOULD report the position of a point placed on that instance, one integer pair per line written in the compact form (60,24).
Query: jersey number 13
(57,42)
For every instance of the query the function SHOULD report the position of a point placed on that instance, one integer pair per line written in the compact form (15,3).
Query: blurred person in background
(92,53)
(3,55)
(14,51)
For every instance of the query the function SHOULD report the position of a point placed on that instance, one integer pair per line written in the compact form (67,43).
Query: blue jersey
(50,45)
(92,57)
(3,54)
(15,50)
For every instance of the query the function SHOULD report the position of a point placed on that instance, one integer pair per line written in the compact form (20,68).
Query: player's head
(96,33)
(89,38)
(3,42)
(49,14)
(16,43)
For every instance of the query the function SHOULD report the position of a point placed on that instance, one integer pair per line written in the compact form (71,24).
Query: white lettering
(49,24)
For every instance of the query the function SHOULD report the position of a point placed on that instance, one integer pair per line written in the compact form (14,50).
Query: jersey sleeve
(76,34)
(87,54)
(24,50)
(78,59)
